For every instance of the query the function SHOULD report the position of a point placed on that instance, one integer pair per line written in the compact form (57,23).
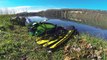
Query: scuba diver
(50,35)
(37,29)
(33,28)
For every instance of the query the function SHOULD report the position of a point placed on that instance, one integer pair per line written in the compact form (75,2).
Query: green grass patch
(17,44)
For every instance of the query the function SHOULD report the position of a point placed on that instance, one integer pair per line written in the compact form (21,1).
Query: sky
(38,5)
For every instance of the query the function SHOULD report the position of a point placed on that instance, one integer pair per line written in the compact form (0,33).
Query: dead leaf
(66,49)
(67,58)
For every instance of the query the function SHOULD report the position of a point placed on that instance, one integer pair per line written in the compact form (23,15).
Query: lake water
(82,28)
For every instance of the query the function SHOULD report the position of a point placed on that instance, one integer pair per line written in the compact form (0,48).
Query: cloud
(19,9)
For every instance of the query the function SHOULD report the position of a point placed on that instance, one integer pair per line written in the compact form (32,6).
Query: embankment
(95,18)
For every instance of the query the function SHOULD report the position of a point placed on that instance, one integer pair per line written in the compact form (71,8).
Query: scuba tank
(37,29)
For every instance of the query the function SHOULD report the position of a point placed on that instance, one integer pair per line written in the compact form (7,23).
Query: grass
(88,46)
(17,44)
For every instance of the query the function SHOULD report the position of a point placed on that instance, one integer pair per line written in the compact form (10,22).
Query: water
(36,18)
(82,28)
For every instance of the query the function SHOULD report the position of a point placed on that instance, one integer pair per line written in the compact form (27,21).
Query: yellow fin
(62,40)
(38,38)
(42,41)
(48,43)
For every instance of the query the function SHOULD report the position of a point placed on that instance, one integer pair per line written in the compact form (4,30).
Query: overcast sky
(38,5)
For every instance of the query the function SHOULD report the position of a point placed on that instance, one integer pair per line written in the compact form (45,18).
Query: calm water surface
(82,28)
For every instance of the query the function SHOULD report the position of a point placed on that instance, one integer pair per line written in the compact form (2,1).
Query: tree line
(96,18)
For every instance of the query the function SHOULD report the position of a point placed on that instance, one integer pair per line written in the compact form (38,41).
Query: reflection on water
(82,28)
(36,18)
